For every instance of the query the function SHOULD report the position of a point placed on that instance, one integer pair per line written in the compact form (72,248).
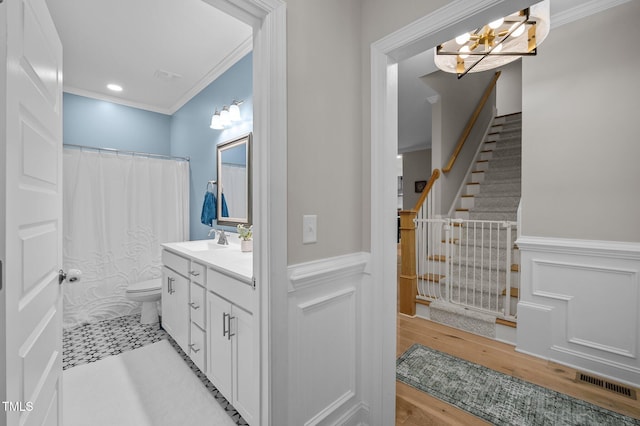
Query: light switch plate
(309,229)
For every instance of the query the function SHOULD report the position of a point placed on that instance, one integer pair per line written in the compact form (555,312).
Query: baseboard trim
(309,274)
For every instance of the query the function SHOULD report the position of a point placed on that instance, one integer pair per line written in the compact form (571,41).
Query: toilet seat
(148,286)
(149,293)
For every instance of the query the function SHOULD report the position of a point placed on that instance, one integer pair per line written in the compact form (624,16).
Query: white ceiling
(414,110)
(163,52)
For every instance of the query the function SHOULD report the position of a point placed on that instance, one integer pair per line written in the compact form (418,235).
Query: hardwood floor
(415,408)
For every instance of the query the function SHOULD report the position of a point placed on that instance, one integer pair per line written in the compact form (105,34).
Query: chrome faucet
(222,237)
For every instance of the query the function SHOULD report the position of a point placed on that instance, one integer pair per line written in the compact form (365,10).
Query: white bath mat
(150,386)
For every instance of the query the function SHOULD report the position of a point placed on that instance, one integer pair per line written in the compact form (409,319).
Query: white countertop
(226,259)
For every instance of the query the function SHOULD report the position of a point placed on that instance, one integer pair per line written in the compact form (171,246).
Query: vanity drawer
(236,292)
(196,304)
(197,347)
(178,263)
(197,273)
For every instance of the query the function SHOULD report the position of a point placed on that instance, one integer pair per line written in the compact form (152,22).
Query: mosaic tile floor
(92,342)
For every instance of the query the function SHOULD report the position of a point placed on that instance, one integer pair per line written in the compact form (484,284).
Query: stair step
(508,323)
(514,115)
(515,268)
(501,175)
(514,292)
(431,277)
(438,257)
(506,151)
(498,203)
(493,215)
(493,189)
(503,162)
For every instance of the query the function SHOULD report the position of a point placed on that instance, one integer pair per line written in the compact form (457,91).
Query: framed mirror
(234,181)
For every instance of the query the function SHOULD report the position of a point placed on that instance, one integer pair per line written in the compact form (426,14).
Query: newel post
(408,280)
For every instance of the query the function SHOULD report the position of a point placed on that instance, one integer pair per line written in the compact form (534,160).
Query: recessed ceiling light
(114,87)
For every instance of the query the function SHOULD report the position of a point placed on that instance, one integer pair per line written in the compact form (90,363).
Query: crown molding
(582,11)
(114,99)
(227,62)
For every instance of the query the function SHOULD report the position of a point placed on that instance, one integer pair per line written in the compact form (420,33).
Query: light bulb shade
(463,38)
(225,116)
(234,112)
(451,57)
(216,123)
(496,24)
(517,30)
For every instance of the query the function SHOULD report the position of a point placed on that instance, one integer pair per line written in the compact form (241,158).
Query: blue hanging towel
(208,209)
(225,210)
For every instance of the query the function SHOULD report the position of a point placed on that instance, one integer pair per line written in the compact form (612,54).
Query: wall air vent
(605,384)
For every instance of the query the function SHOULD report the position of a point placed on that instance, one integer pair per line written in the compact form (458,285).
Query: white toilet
(149,293)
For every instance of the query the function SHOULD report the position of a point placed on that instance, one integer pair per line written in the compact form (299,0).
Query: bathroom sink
(202,245)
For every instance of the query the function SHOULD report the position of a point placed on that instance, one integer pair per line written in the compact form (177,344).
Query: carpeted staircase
(479,265)
(494,190)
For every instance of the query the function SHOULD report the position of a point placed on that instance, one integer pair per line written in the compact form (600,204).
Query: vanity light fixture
(225,118)
(216,122)
(234,110)
(497,43)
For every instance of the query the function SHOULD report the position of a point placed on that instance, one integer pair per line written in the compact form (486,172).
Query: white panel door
(30,214)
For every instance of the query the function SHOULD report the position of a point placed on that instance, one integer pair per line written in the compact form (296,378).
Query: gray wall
(458,100)
(509,89)
(324,167)
(416,166)
(580,149)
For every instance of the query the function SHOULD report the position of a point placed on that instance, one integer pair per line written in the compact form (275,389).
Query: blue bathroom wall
(103,124)
(191,135)
(186,133)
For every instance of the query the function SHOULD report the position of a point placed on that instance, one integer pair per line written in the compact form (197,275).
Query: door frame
(417,37)
(268,20)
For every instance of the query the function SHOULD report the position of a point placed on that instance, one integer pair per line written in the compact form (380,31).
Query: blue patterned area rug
(496,397)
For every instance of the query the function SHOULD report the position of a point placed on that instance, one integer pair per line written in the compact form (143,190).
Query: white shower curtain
(117,210)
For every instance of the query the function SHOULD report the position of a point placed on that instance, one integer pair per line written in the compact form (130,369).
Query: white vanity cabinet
(230,342)
(183,304)
(207,305)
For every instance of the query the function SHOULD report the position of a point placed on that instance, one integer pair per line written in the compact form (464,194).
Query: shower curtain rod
(133,153)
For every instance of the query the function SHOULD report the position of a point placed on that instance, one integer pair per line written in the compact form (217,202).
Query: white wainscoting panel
(580,305)
(325,342)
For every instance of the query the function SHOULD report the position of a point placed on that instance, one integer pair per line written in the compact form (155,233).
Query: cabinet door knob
(193,348)
(194,306)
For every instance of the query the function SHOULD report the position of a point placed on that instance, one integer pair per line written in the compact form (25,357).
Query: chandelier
(497,43)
